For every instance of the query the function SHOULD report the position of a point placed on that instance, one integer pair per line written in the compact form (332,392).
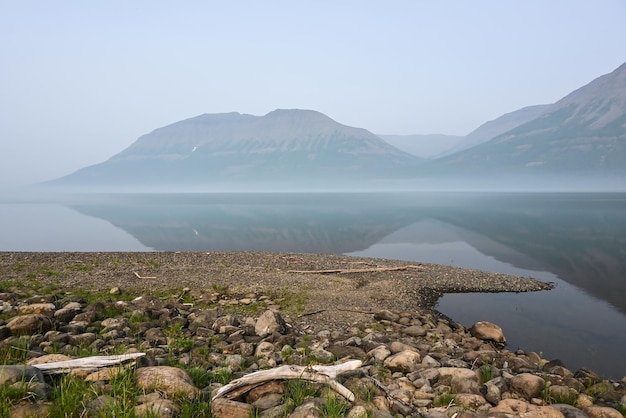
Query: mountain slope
(583,133)
(424,146)
(284,145)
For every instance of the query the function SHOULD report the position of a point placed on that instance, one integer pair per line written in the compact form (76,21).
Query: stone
(167,379)
(19,373)
(5,332)
(488,331)
(569,411)
(309,409)
(544,412)
(527,385)
(602,412)
(46,309)
(48,358)
(379,353)
(385,315)
(512,407)
(358,411)
(29,410)
(268,323)
(100,406)
(460,385)
(225,408)
(471,401)
(160,408)
(268,401)
(264,349)
(29,324)
(458,372)
(414,331)
(404,361)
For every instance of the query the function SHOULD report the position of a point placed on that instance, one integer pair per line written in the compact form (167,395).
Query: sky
(80,81)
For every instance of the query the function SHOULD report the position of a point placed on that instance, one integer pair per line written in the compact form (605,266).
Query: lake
(576,240)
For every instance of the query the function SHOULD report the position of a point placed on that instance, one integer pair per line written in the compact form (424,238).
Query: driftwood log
(318,374)
(86,363)
(348,271)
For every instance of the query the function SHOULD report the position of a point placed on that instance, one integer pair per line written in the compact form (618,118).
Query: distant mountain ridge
(580,137)
(283,146)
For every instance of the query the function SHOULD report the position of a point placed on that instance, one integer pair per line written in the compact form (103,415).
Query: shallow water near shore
(575,240)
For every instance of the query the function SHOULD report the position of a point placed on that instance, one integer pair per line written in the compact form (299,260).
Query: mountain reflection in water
(576,240)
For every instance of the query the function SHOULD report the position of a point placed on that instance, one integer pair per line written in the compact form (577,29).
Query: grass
(297,392)
(445,400)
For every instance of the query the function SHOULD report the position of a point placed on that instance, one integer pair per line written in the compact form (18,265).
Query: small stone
(46,309)
(115,291)
(379,353)
(414,331)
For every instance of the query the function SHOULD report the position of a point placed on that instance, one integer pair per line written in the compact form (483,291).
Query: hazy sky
(82,80)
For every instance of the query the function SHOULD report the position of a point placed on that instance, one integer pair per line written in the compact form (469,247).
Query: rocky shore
(192,323)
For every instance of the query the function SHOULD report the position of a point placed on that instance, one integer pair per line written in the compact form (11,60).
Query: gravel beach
(343,286)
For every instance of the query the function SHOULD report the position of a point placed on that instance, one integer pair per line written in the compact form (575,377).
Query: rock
(358,411)
(29,324)
(46,309)
(309,409)
(404,361)
(458,372)
(5,332)
(29,410)
(471,401)
(167,379)
(602,412)
(527,385)
(379,353)
(19,373)
(569,411)
(487,331)
(100,406)
(268,401)
(512,407)
(225,408)
(48,358)
(160,408)
(268,323)
(386,315)
(414,331)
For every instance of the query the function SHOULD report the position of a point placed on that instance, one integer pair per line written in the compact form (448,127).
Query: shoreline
(358,286)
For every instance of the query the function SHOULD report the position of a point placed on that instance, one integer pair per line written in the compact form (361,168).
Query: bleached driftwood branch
(345,271)
(319,374)
(86,363)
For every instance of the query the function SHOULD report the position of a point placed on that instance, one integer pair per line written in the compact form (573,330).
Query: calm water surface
(575,240)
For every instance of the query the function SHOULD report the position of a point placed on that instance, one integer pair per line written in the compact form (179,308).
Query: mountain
(498,126)
(424,146)
(582,134)
(300,146)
